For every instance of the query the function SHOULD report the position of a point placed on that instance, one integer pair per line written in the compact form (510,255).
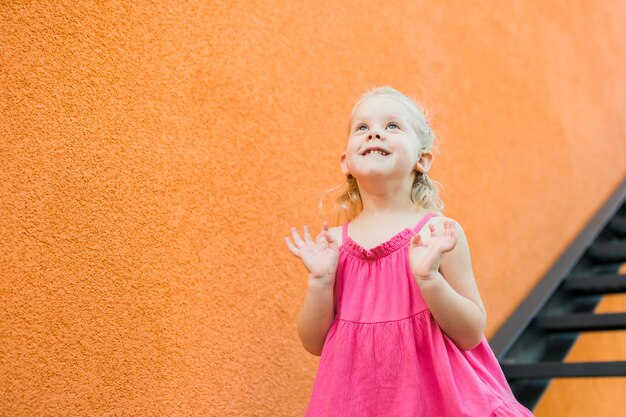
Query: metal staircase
(534,341)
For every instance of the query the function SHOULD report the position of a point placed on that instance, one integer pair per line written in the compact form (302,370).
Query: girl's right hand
(320,257)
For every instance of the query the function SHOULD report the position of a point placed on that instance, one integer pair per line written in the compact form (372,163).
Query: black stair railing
(532,344)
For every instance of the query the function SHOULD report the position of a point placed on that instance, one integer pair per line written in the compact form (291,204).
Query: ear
(344,166)
(424,162)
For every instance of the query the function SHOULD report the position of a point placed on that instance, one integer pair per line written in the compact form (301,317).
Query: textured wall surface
(154,156)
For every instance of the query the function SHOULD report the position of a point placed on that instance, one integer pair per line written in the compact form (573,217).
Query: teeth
(377,152)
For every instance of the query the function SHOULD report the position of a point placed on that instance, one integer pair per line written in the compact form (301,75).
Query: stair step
(596,284)
(608,251)
(545,370)
(617,225)
(582,322)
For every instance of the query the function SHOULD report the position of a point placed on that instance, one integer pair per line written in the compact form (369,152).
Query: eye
(390,124)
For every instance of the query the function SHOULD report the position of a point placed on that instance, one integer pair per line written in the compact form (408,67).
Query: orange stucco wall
(154,156)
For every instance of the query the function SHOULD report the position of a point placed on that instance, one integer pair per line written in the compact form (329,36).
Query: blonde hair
(424,192)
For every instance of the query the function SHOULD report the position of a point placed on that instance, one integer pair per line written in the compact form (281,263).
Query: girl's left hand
(424,258)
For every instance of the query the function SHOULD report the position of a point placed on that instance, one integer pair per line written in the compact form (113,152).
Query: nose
(374,135)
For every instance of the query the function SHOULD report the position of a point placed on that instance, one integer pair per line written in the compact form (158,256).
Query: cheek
(405,160)
(353,149)
(351,159)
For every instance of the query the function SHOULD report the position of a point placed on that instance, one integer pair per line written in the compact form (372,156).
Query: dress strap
(344,233)
(423,221)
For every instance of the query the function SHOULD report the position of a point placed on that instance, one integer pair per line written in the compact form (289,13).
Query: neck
(386,198)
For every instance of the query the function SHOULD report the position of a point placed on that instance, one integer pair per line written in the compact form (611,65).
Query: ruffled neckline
(396,242)
(386,248)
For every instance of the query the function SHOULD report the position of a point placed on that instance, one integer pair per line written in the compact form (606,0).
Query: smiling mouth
(375,152)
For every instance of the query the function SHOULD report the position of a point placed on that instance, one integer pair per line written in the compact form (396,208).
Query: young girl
(392,306)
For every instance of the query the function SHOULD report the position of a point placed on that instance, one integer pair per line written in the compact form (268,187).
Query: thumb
(320,237)
(416,240)
(330,239)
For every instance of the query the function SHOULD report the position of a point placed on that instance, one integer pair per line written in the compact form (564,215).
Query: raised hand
(319,256)
(425,258)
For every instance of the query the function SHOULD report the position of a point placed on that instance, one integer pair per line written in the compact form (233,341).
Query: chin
(371,170)
(379,173)
(377,178)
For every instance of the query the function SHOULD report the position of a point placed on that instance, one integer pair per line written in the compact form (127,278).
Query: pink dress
(385,355)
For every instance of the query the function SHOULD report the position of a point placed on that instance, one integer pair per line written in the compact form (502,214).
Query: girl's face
(382,143)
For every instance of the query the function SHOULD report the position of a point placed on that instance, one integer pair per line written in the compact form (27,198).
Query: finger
(292,248)
(296,237)
(320,237)
(330,239)
(433,231)
(421,241)
(416,240)
(307,235)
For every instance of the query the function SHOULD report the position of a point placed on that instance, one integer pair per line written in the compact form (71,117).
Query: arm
(453,298)
(317,314)
(459,317)
(320,257)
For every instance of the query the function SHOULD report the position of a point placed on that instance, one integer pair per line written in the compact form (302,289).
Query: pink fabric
(385,355)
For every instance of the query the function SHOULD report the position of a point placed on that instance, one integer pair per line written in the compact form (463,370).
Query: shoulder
(436,219)
(439,224)
(440,220)
(460,253)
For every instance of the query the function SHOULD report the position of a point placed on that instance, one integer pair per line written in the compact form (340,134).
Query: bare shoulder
(336,233)
(436,220)
(440,219)
(439,224)
(460,254)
